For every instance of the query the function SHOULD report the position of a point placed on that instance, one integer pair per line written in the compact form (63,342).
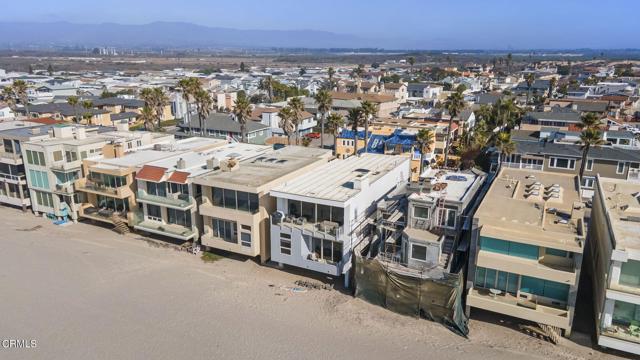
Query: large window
(154,212)
(620,167)
(226,230)
(107,202)
(315,212)
(66,177)
(562,163)
(39,179)
(494,279)
(158,189)
(8,145)
(238,200)
(447,217)
(71,156)
(175,188)
(35,158)
(509,248)
(179,217)
(545,288)
(107,180)
(418,252)
(329,251)
(625,313)
(44,199)
(57,155)
(421,212)
(630,273)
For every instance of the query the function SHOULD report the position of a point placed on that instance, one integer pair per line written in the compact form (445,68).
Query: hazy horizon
(407,24)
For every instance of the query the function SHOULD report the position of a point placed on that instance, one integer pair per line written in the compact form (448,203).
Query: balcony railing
(10,156)
(11,177)
(327,227)
(65,166)
(623,332)
(171,230)
(521,165)
(66,188)
(87,185)
(175,200)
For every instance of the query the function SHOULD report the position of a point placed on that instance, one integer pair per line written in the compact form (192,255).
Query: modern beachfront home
(526,256)
(323,214)
(237,201)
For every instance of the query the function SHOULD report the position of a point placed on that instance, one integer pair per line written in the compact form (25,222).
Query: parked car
(313,135)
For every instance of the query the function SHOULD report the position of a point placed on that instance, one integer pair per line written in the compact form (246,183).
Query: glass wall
(225,230)
(107,180)
(179,217)
(509,248)
(329,251)
(494,279)
(546,288)
(630,273)
(238,200)
(315,213)
(157,189)
(625,313)
(106,202)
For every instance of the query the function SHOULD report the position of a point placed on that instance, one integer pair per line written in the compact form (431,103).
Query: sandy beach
(84,292)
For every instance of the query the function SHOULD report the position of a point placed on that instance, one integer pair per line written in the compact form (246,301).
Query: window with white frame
(620,167)
(589,165)
(418,252)
(447,218)
(562,163)
(421,212)
(154,212)
(587,182)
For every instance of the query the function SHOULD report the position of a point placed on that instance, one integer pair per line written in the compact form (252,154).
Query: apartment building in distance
(167,196)
(108,190)
(526,254)
(237,201)
(614,260)
(323,214)
(53,163)
(14,190)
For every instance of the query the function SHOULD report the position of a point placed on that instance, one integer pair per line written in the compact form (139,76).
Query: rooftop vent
(181,164)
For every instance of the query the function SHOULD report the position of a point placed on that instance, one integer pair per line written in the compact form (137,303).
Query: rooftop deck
(622,199)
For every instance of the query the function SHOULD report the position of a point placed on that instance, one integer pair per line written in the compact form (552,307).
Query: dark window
(218,199)
(243,201)
(294,208)
(254,203)
(229,199)
(154,211)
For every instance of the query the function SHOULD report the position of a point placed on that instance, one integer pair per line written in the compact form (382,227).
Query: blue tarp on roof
(376,144)
(348,134)
(401,139)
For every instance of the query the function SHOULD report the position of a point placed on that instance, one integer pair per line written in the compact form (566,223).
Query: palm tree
(323,102)
(411,60)
(20,90)
(369,110)
(296,105)
(242,112)
(589,121)
(552,85)
(588,137)
(510,112)
(425,140)
(356,74)
(160,100)
(266,84)
(505,145)
(530,78)
(73,101)
(9,97)
(331,72)
(87,105)
(189,87)
(355,118)
(334,122)
(286,122)
(454,104)
(203,107)
(148,116)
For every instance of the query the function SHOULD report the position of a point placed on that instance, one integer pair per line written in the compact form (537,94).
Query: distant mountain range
(170,34)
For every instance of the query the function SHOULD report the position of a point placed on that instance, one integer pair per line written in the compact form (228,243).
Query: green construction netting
(438,300)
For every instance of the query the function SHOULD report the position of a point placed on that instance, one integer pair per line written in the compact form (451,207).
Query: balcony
(104,215)
(66,166)
(66,188)
(544,268)
(518,307)
(14,199)
(14,179)
(89,186)
(326,229)
(170,230)
(176,201)
(11,158)
(521,165)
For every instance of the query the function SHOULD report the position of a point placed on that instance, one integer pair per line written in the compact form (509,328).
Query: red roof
(179,177)
(45,121)
(151,173)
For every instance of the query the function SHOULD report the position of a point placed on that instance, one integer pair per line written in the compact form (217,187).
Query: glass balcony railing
(176,200)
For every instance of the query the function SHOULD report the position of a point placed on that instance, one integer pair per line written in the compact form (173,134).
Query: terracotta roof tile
(179,177)
(151,173)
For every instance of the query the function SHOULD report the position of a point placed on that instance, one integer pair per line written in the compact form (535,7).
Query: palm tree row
(324,103)
(155,100)
(17,92)
(192,91)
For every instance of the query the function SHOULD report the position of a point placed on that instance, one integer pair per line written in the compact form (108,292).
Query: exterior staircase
(447,251)
(121,226)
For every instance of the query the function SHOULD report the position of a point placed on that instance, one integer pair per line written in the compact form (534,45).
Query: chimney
(181,164)
(213,163)
(118,150)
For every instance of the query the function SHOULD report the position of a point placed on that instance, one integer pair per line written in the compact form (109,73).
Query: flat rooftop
(458,184)
(266,168)
(535,207)
(334,180)
(622,201)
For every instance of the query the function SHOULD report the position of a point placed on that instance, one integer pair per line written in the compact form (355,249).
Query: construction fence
(437,298)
